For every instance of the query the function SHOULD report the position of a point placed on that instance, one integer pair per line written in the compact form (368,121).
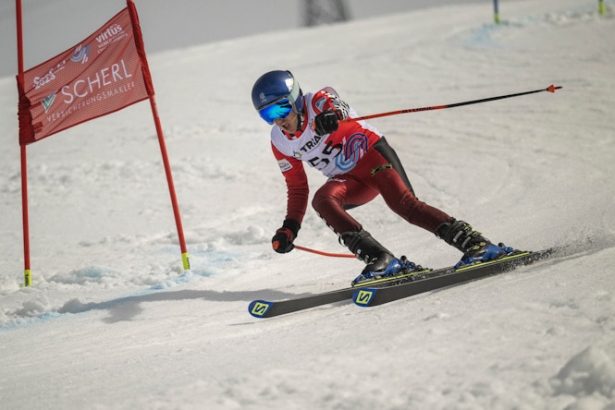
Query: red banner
(103,74)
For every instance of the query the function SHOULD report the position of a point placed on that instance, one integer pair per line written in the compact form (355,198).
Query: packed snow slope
(113,322)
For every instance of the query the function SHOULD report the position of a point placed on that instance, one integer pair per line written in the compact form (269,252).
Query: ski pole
(332,255)
(551,89)
(276,244)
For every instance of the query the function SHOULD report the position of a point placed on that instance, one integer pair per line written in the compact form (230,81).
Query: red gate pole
(134,17)
(167,169)
(24,159)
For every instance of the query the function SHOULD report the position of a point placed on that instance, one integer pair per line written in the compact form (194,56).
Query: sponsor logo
(364,297)
(356,146)
(311,144)
(81,54)
(83,87)
(105,84)
(101,95)
(259,309)
(379,168)
(284,165)
(263,98)
(48,101)
(49,76)
(113,33)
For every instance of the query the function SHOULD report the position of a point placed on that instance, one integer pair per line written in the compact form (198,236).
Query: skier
(359,165)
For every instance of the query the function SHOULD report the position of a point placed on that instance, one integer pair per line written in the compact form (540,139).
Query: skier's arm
(297,199)
(296,183)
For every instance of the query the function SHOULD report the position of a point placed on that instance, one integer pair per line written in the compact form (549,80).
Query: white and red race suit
(358,162)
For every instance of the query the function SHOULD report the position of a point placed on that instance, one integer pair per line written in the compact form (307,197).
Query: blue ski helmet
(275,94)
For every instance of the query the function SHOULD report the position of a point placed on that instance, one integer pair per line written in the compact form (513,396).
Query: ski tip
(259,308)
(363,297)
(552,88)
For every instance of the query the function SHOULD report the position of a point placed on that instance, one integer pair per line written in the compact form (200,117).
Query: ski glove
(282,241)
(326,122)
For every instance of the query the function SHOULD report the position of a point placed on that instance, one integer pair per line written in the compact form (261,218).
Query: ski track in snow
(113,322)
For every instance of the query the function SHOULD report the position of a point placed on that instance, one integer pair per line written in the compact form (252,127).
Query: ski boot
(475,247)
(380,262)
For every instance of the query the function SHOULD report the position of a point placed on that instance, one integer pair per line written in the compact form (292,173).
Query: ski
(265,309)
(374,296)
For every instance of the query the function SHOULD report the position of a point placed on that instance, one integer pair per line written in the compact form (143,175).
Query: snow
(113,322)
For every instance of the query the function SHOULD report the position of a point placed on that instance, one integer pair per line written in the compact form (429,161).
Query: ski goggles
(276,110)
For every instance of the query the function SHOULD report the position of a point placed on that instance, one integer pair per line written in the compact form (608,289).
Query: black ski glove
(282,241)
(326,122)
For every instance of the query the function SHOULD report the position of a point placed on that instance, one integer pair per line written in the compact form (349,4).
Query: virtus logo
(109,33)
(113,33)
(82,53)
(48,101)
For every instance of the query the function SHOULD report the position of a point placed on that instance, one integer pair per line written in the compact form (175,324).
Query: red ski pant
(373,175)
